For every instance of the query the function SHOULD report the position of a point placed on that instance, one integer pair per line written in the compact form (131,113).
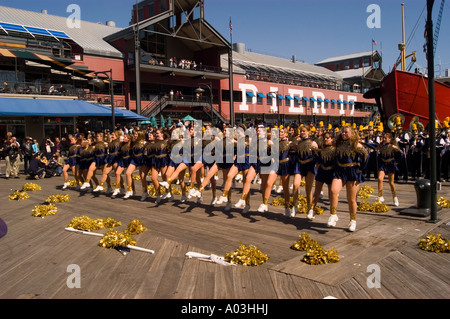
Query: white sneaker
(287,212)
(332,220)
(128,194)
(263,208)
(381,199)
(246,209)
(166,195)
(65,185)
(164,184)
(294,211)
(183,199)
(194,193)
(310,214)
(279,189)
(240,203)
(227,207)
(222,199)
(99,189)
(116,192)
(396,203)
(352,226)
(144,197)
(85,185)
(214,201)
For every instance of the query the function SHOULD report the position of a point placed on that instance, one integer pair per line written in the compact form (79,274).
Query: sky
(312,30)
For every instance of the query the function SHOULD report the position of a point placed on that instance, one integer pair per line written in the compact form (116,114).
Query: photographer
(12,152)
(47,148)
(37,168)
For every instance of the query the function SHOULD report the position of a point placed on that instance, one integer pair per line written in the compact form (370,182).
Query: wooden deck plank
(175,228)
(284,285)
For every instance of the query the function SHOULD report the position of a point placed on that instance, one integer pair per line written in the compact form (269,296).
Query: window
(269,99)
(337,67)
(356,64)
(325,104)
(346,65)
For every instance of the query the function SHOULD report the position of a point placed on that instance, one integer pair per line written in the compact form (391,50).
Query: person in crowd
(37,167)
(12,157)
(27,152)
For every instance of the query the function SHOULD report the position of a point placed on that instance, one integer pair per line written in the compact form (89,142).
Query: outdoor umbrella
(188,118)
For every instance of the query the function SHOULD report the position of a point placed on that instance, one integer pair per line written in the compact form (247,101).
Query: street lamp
(201,91)
(101,84)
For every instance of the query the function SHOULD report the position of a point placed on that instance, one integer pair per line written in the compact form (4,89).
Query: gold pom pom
(113,239)
(57,198)
(18,195)
(316,254)
(44,210)
(31,187)
(247,256)
(443,202)
(435,243)
(135,227)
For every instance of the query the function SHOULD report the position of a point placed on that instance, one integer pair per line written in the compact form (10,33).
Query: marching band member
(351,157)
(390,155)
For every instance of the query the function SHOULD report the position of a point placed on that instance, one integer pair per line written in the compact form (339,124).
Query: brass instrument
(395,120)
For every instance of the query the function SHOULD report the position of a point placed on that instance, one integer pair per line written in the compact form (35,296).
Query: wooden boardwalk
(36,252)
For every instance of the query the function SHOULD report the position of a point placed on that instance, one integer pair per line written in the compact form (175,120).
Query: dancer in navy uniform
(284,167)
(326,161)
(100,154)
(305,149)
(123,163)
(72,161)
(138,161)
(390,156)
(351,157)
(111,161)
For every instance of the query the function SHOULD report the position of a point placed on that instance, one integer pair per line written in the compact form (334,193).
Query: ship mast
(402,46)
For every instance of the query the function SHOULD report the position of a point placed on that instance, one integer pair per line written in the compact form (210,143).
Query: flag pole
(230,70)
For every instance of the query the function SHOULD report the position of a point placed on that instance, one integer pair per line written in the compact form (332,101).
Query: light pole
(101,84)
(200,90)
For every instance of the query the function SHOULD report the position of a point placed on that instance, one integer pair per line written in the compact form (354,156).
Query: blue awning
(289,97)
(271,95)
(345,102)
(327,100)
(297,98)
(305,98)
(334,101)
(61,108)
(313,99)
(320,100)
(352,103)
(281,97)
(339,101)
(261,95)
(250,94)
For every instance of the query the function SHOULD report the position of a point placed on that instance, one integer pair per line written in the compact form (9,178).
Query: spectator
(35,147)
(58,163)
(27,152)
(6,88)
(37,167)
(47,148)
(12,152)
